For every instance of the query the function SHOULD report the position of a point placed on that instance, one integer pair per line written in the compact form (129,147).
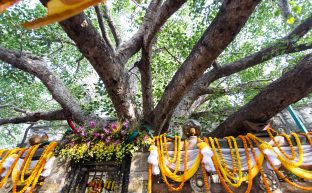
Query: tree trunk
(291,87)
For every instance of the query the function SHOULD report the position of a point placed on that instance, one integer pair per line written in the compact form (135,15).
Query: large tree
(155,61)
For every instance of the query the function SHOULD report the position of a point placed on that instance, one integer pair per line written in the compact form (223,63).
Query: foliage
(100,144)
(172,46)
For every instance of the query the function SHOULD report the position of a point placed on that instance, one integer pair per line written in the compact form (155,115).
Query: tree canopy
(156,62)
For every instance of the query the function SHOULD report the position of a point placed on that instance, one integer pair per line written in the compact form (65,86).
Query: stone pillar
(138,173)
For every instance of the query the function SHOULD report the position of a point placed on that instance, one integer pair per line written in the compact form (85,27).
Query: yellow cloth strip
(59,10)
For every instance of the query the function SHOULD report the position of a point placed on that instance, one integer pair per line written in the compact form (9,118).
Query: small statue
(191,128)
(38,138)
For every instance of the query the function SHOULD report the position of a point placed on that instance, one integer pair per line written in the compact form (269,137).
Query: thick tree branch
(210,94)
(37,116)
(79,28)
(280,47)
(37,67)
(102,27)
(154,18)
(112,26)
(291,87)
(227,24)
(146,81)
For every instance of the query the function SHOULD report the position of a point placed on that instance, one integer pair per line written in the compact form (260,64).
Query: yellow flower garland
(28,161)
(223,170)
(177,141)
(280,174)
(178,152)
(227,188)
(184,172)
(35,174)
(300,152)
(4,179)
(293,154)
(178,178)
(228,172)
(234,171)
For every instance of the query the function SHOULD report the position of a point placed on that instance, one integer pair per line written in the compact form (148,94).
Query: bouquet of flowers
(92,143)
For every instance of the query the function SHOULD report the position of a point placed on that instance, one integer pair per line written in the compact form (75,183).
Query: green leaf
(296,9)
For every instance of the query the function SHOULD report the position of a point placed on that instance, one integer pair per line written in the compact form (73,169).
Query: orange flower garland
(4,179)
(35,174)
(150,179)
(280,174)
(265,181)
(206,183)
(234,172)
(227,188)
(248,163)
(27,162)
(231,173)
(293,154)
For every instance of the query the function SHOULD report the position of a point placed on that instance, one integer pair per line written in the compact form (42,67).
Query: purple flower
(108,139)
(123,132)
(136,140)
(81,128)
(117,142)
(96,135)
(92,124)
(72,143)
(106,131)
(102,135)
(83,134)
(114,126)
(126,124)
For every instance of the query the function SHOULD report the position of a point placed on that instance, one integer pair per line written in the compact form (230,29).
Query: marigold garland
(150,179)
(234,170)
(248,164)
(4,179)
(293,154)
(177,141)
(223,170)
(28,160)
(184,172)
(206,183)
(178,159)
(37,170)
(227,188)
(227,170)
(300,152)
(280,174)
(265,181)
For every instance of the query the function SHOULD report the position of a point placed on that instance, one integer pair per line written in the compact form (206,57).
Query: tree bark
(222,31)
(34,117)
(291,87)
(37,67)
(282,46)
